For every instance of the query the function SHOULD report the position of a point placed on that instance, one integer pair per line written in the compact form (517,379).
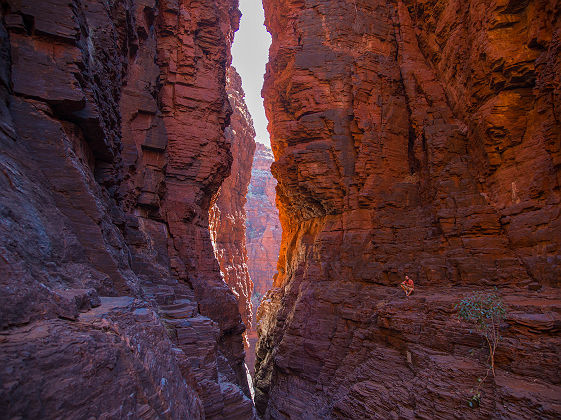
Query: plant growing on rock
(256,298)
(485,311)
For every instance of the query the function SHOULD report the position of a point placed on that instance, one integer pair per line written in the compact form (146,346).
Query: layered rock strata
(227,215)
(112,120)
(263,234)
(264,231)
(419,138)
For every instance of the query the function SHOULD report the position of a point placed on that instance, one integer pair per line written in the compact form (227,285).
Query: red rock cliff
(419,138)
(263,226)
(263,234)
(227,215)
(112,145)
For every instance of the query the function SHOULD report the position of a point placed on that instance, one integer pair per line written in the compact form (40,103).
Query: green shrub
(485,311)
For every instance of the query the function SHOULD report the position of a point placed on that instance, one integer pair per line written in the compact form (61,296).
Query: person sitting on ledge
(407,285)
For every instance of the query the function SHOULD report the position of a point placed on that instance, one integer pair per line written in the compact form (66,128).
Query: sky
(250,53)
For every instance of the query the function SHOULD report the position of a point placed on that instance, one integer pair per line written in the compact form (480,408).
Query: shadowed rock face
(112,145)
(227,215)
(420,138)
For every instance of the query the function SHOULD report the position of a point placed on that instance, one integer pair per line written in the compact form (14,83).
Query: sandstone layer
(263,234)
(227,215)
(419,138)
(112,145)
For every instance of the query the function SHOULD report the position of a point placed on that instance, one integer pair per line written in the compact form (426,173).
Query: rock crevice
(227,214)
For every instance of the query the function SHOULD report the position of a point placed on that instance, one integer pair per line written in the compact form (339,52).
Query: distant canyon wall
(264,231)
(416,138)
(228,215)
(112,147)
(264,234)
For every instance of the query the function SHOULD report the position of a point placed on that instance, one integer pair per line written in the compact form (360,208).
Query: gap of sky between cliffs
(250,54)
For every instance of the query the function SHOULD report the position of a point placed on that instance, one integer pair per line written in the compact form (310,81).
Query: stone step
(179,310)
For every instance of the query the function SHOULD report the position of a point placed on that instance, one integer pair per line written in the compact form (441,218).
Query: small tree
(486,311)
(255,299)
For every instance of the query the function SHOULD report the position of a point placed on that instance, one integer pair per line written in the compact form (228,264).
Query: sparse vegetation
(485,311)
(256,299)
(475,399)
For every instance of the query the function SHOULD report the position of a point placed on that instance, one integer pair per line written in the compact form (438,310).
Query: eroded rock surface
(227,215)
(112,145)
(420,138)
(263,226)
(264,233)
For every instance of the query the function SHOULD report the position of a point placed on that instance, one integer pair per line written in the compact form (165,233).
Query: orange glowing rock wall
(420,138)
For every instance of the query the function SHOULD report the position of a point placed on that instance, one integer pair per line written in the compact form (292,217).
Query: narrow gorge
(227,215)
(263,236)
(142,270)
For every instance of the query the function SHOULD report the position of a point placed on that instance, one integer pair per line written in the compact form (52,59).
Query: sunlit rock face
(417,138)
(263,233)
(112,145)
(227,215)
(263,226)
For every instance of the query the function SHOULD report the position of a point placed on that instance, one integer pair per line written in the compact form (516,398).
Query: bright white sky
(250,53)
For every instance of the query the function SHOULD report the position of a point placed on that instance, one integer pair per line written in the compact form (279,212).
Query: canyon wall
(227,215)
(112,146)
(416,138)
(263,234)
(264,231)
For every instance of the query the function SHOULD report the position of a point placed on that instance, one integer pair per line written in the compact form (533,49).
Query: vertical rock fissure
(263,236)
(410,138)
